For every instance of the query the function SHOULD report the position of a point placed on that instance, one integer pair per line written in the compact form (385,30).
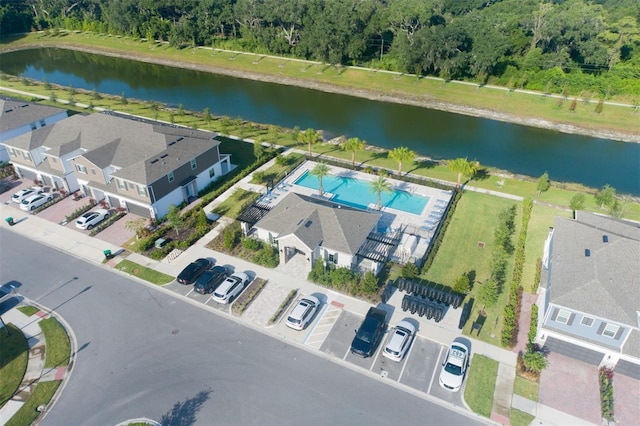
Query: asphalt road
(145,353)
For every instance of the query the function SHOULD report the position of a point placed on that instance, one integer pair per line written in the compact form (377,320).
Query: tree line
(575,47)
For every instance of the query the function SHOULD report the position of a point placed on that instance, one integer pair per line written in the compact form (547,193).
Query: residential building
(589,297)
(315,228)
(139,165)
(19,117)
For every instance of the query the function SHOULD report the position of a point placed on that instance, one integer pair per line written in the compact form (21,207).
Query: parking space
(320,330)
(338,341)
(421,364)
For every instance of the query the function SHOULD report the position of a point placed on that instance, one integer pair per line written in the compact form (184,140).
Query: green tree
(462,166)
(577,202)
(410,270)
(605,196)
(154,108)
(320,170)
(258,150)
(378,186)
(543,183)
(136,226)
(600,106)
(462,284)
(95,95)
(175,219)
(402,154)
(488,293)
(353,145)
(309,137)
(534,361)
(369,283)
(181,110)
(123,99)
(207,117)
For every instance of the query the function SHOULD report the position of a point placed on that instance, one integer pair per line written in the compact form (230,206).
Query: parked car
(193,270)
(370,333)
(26,193)
(231,288)
(302,314)
(91,219)
(35,201)
(399,341)
(454,367)
(210,280)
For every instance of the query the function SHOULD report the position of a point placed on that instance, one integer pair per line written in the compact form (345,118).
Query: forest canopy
(575,47)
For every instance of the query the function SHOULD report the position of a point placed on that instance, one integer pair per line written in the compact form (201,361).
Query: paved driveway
(571,386)
(626,399)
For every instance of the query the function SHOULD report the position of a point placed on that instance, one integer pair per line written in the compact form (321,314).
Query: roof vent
(308,224)
(154,161)
(164,155)
(605,238)
(587,253)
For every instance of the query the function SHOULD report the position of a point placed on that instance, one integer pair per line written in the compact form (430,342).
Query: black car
(210,280)
(193,270)
(370,333)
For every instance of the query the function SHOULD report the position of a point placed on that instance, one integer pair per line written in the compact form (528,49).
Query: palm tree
(309,137)
(402,154)
(354,145)
(464,167)
(320,170)
(379,185)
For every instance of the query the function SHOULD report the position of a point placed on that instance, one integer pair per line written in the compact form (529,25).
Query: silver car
(26,193)
(302,314)
(230,288)
(35,201)
(399,341)
(91,219)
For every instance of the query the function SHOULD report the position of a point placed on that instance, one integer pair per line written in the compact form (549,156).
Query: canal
(519,149)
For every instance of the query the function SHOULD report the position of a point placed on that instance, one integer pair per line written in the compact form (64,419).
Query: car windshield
(293,320)
(365,336)
(453,369)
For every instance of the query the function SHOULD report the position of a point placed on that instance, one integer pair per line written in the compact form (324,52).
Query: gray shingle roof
(129,145)
(16,113)
(320,223)
(605,283)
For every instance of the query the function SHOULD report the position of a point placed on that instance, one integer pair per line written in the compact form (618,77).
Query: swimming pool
(357,193)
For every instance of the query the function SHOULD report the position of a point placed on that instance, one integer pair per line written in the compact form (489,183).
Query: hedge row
(511,313)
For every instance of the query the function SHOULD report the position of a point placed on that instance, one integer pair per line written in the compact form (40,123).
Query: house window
(33,126)
(563,316)
(193,164)
(26,155)
(587,321)
(42,123)
(610,330)
(93,171)
(170,177)
(142,190)
(12,152)
(121,184)
(212,172)
(81,168)
(333,258)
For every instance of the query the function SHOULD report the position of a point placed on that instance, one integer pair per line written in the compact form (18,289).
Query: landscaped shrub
(248,296)
(231,236)
(105,223)
(283,306)
(79,212)
(267,256)
(410,271)
(369,283)
(251,243)
(533,326)
(606,393)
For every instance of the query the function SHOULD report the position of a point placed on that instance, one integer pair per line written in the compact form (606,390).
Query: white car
(26,193)
(303,312)
(399,341)
(230,288)
(91,219)
(454,367)
(35,201)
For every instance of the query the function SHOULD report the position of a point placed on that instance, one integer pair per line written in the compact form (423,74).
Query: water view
(358,193)
(523,150)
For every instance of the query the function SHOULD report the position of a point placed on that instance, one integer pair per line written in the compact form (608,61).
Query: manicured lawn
(14,352)
(520,418)
(28,310)
(58,348)
(41,395)
(526,388)
(236,203)
(481,384)
(144,273)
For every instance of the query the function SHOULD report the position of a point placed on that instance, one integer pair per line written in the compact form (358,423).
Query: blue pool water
(357,193)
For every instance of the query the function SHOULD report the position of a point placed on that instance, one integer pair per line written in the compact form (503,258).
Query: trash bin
(107,254)
(10,221)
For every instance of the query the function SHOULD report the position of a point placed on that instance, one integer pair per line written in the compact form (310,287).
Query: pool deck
(421,226)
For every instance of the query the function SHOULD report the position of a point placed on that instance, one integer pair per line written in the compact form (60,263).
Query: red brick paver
(626,400)
(571,386)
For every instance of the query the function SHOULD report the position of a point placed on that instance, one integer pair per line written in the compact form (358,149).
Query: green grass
(144,273)
(481,384)
(526,388)
(14,353)
(28,310)
(28,413)
(58,349)
(520,418)
(236,203)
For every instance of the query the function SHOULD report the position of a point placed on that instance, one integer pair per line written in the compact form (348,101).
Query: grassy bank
(467,98)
